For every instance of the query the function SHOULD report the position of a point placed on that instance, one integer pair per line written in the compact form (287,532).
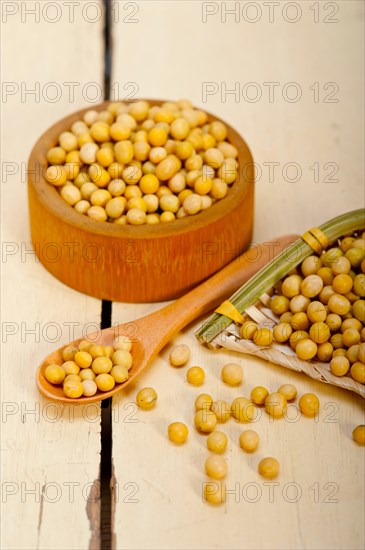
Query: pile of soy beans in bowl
(90,367)
(138,164)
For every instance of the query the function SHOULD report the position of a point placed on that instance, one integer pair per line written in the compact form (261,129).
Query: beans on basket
(140,164)
(91,367)
(321,310)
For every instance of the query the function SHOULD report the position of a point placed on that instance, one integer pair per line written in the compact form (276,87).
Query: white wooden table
(289,77)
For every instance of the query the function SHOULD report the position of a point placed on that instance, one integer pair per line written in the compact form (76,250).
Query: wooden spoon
(151,333)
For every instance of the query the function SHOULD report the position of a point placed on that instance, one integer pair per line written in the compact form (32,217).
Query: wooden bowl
(148,263)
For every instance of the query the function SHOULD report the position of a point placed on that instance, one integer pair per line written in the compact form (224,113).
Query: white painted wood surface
(159,503)
(50,454)
(159,486)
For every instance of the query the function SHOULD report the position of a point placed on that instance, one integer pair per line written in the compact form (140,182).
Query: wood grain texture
(158,486)
(159,501)
(49,454)
(148,263)
(324,126)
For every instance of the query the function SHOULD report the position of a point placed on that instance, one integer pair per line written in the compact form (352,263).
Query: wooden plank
(205,60)
(159,497)
(50,453)
(318,502)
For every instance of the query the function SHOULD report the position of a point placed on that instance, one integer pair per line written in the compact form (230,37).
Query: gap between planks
(101,515)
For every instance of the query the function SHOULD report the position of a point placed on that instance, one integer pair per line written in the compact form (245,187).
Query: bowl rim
(52,200)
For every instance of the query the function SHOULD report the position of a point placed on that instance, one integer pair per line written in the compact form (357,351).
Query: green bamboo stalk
(275,270)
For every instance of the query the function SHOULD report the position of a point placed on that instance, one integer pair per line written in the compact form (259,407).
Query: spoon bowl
(104,338)
(151,333)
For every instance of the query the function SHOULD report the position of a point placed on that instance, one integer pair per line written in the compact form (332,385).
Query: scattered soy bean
(205,421)
(221,409)
(269,467)
(215,493)
(195,376)
(216,466)
(249,440)
(203,401)
(358,434)
(179,355)
(178,432)
(258,395)
(242,409)
(217,442)
(309,404)
(232,374)
(276,404)
(288,391)
(146,398)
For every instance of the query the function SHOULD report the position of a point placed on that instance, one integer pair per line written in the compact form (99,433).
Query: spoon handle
(214,290)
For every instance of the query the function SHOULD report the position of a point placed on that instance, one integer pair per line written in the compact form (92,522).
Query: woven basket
(280,354)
